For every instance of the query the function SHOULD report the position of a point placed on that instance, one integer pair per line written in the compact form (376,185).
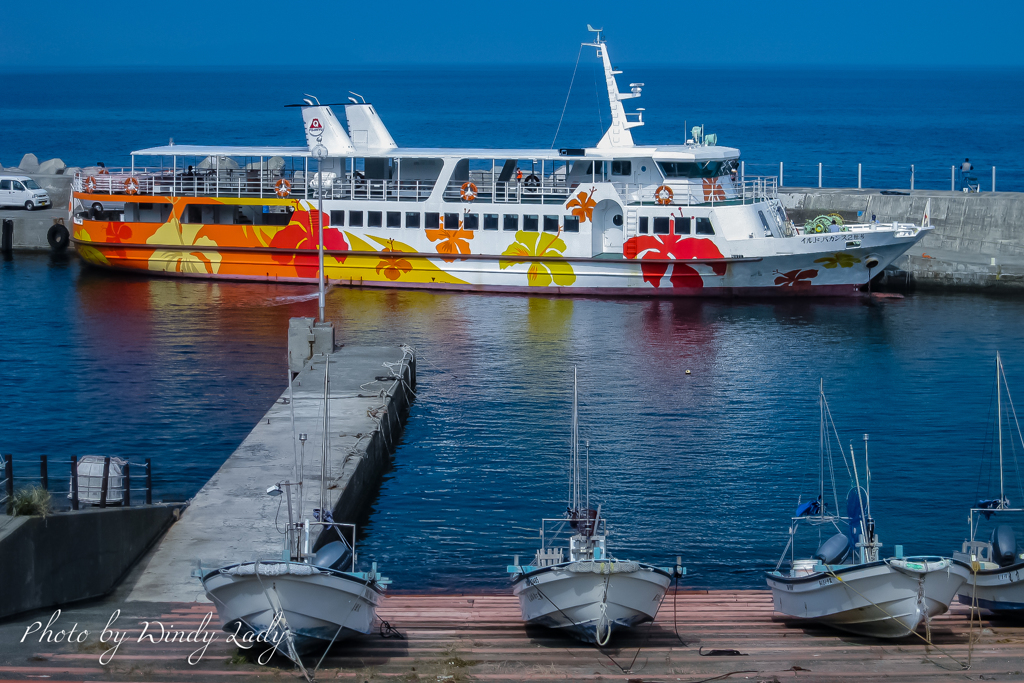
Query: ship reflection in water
(180,370)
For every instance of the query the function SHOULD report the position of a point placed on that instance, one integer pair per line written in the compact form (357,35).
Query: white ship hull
(588,605)
(887,599)
(314,608)
(998,590)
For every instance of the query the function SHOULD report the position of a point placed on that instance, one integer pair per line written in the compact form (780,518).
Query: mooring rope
(963,666)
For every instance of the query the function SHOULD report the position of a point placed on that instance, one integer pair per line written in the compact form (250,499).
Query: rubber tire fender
(58,238)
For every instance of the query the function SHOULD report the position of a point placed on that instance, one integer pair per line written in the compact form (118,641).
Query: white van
(20,190)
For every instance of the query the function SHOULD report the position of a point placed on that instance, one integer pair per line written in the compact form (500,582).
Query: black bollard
(74,482)
(7,242)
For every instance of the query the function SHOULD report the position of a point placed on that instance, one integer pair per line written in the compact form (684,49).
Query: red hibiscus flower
(303,232)
(653,248)
(797,279)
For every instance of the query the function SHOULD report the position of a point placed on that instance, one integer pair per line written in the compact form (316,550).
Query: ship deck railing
(547,189)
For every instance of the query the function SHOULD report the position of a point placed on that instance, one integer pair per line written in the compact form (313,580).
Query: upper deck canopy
(668,152)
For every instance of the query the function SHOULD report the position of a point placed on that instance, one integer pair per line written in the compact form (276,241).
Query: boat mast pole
(320,152)
(575,447)
(323,457)
(821,446)
(999,426)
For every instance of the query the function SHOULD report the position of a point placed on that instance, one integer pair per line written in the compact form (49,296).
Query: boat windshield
(697,169)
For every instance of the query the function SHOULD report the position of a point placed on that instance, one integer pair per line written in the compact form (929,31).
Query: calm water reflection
(707,465)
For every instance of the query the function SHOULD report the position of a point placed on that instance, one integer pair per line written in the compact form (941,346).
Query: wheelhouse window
(490,221)
(696,169)
(550,223)
(531,223)
(571,223)
(412,219)
(510,222)
(704,226)
(622,168)
(394,219)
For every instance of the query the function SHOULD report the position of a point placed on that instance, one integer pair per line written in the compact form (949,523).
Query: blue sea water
(707,465)
(885,120)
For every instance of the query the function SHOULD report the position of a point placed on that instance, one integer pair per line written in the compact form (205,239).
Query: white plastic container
(803,567)
(90,480)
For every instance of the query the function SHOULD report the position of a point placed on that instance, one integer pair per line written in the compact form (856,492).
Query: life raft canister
(131,185)
(282,188)
(663,195)
(468,191)
(90,184)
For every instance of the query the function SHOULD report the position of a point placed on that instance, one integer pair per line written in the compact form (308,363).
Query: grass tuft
(32,500)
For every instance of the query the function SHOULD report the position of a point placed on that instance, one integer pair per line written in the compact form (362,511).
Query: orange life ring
(663,195)
(89,185)
(468,191)
(283,188)
(131,185)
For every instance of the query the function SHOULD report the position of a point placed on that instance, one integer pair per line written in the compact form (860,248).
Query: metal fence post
(126,482)
(780,174)
(952,178)
(9,475)
(149,482)
(74,482)
(993,178)
(911,176)
(819,174)
(103,484)
(743,173)
(858,176)
(44,479)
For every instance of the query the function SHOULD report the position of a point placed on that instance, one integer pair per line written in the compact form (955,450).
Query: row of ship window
(658,225)
(453,221)
(679,225)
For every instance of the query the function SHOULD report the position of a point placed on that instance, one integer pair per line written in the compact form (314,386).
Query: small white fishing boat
(573,583)
(846,584)
(996,582)
(309,598)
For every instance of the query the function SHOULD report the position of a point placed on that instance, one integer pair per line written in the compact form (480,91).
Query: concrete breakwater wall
(977,243)
(232,519)
(71,556)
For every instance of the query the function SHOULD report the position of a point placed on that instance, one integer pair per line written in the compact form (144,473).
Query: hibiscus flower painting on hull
(654,252)
(303,233)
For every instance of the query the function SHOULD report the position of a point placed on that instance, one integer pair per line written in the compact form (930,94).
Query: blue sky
(312,33)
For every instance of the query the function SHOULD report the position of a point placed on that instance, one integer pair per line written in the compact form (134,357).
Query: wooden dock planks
(454,638)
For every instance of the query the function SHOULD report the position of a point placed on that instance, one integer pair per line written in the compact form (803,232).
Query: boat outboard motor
(334,555)
(834,550)
(1004,545)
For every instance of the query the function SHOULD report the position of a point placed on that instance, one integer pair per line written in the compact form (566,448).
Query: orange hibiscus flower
(393,266)
(582,205)
(452,241)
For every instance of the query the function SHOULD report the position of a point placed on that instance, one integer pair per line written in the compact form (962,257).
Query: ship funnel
(366,128)
(323,128)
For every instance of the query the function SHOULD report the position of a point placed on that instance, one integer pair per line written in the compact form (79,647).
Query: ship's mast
(618,134)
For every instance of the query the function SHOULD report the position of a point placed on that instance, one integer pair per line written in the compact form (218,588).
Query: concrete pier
(31,227)
(232,518)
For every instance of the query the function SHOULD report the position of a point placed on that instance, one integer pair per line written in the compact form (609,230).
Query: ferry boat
(619,218)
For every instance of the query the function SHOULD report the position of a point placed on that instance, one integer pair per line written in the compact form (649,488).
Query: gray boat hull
(886,599)
(314,608)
